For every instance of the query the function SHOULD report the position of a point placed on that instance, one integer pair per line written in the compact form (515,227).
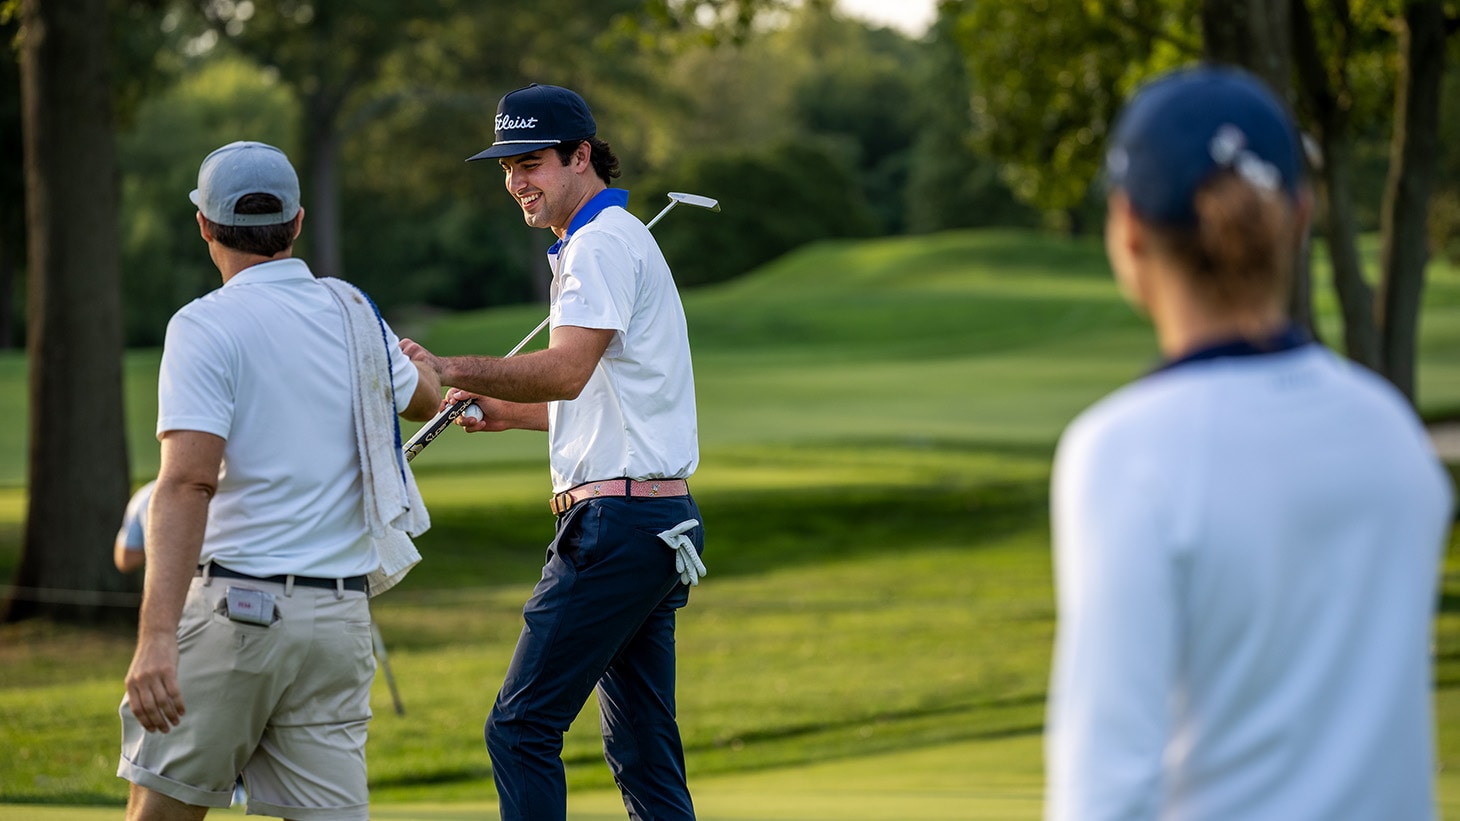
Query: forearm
(176,521)
(530,379)
(532,416)
(427,396)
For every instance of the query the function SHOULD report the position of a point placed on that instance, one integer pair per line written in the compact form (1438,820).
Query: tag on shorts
(250,606)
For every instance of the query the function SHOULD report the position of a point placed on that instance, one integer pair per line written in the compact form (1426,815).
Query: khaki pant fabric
(287,705)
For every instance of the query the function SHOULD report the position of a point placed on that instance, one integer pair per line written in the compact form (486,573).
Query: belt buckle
(561,502)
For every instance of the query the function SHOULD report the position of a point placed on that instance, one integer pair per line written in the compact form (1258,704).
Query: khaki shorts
(286,705)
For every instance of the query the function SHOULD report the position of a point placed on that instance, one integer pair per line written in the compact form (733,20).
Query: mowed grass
(873,639)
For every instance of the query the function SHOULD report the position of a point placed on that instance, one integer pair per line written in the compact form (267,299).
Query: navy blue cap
(536,117)
(1181,129)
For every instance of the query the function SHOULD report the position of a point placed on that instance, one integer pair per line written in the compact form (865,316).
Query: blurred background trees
(806,123)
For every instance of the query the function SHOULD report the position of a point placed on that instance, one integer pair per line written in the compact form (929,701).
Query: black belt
(357,583)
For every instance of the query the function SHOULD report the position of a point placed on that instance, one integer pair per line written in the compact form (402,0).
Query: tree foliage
(774,199)
(1364,74)
(951,182)
(417,225)
(1051,75)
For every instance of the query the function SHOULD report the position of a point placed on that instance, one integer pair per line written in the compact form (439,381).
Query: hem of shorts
(186,793)
(354,812)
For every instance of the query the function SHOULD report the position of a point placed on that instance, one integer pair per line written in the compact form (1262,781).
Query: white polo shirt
(262,363)
(1247,555)
(636,416)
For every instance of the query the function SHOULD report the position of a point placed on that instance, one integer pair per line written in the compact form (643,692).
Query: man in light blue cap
(254,653)
(1247,540)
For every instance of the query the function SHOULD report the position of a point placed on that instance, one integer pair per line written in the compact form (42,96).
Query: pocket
(578,543)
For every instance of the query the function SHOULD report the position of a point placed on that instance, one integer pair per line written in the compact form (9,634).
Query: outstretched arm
(554,374)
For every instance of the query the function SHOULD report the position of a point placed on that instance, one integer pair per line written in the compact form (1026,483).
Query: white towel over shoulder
(394,509)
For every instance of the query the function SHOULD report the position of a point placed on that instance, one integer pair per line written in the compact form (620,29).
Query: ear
(1124,232)
(1127,248)
(583,157)
(203,228)
(298,222)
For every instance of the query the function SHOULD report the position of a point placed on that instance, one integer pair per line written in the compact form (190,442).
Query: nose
(516,180)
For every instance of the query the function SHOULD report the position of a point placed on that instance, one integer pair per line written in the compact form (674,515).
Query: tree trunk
(78,472)
(322,203)
(1413,166)
(1253,34)
(1356,298)
(12,189)
(7,291)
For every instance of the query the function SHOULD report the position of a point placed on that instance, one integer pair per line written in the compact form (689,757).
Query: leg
(146,805)
(640,736)
(603,578)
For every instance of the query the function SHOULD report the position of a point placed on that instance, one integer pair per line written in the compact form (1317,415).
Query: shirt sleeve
(134,521)
(597,284)
(196,380)
(1115,649)
(403,372)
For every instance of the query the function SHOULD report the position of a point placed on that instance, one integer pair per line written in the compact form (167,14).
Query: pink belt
(648,488)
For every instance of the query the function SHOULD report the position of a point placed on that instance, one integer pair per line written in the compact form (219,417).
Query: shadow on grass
(800,743)
(748,531)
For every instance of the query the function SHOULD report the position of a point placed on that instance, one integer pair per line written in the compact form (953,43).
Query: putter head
(696,200)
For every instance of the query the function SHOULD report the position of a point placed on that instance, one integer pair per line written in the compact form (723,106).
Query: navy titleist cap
(238,169)
(1181,129)
(536,117)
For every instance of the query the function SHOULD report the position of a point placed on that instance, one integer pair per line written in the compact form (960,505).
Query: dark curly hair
(263,240)
(605,162)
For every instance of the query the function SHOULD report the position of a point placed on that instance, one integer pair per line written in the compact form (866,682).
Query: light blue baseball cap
(241,168)
(1187,126)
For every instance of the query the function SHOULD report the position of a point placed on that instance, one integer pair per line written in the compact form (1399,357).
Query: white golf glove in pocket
(686,559)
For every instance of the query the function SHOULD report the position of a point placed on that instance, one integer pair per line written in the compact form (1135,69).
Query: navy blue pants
(601,616)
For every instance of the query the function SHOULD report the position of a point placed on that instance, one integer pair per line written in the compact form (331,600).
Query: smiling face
(548,191)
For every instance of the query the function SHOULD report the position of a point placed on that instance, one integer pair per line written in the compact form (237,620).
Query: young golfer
(1248,539)
(615,392)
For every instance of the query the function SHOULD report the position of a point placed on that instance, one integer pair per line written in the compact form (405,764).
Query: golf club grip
(433,428)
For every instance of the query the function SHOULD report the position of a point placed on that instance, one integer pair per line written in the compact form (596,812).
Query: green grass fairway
(931,784)
(872,642)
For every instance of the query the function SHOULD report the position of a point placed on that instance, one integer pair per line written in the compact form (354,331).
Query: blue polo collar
(607,198)
(1285,340)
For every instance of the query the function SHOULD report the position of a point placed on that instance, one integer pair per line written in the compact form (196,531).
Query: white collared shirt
(262,363)
(635,418)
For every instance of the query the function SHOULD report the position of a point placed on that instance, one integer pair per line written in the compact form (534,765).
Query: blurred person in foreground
(615,391)
(282,503)
(1247,540)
